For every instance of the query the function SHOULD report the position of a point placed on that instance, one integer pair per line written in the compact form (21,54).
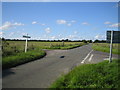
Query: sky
(58,20)
(60,0)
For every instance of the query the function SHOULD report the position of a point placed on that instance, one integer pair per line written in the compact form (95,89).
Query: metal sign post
(26,42)
(111,42)
(26,46)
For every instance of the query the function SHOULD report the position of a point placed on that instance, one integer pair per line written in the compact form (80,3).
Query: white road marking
(86,56)
(90,58)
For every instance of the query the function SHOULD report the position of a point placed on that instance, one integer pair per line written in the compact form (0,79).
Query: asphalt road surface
(41,73)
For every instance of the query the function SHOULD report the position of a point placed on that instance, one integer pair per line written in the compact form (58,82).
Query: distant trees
(84,41)
(99,41)
(65,40)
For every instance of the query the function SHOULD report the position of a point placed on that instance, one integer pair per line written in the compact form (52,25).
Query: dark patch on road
(62,56)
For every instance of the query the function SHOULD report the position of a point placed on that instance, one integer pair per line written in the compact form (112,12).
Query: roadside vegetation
(100,75)
(105,47)
(20,58)
(13,51)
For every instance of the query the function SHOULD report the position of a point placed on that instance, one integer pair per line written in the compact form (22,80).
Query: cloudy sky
(59,20)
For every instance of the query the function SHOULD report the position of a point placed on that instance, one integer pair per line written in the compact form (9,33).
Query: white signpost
(26,41)
(110,56)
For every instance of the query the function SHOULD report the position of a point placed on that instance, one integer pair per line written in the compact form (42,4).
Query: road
(41,73)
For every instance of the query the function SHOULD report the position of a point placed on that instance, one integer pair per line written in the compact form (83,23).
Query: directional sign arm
(26,36)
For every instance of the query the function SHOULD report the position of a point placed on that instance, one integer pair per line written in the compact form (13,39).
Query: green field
(13,51)
(104,47)
(13,47)
(101,75)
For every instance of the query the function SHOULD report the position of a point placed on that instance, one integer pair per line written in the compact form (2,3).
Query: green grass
(101,75)
(20,58)
(71,46)
(104,47)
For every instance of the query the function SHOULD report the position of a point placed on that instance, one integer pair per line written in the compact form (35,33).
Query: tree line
(63,40)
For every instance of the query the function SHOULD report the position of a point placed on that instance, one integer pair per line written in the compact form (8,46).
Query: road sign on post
(112,37)
(116,36)
(26,41)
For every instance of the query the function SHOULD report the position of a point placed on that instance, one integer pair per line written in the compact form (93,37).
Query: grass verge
(101,75)
(65,47)
(20,58)
(99,47)
(70,47)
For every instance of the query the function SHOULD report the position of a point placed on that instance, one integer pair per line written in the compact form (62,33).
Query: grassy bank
(65,46)
(20,58)
(101,75)
(104,47)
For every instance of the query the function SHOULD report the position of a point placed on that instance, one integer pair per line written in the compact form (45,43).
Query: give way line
(87,57)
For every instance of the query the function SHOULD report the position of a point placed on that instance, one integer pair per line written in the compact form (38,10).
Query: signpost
(110,56)
(26,41)
(112,37)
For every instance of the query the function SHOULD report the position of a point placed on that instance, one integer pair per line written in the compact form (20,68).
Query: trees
(99,41)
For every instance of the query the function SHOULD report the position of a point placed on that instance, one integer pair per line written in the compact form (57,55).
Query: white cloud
(59,35)
(97,37)
(24,33)
(11,34)
(73,21)
(85,23)
(65,22)
(53,37)
(8,25)
(18,24)
(115,25)
(100,37)
(61,21)
(43,24)
(1,33)
(47,30)
(107,22)
(75,32)
(69,24)
(73,37)
(34,22)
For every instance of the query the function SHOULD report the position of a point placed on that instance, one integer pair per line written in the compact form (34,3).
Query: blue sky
(59,20)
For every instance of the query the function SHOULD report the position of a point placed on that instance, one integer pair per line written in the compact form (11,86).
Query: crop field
(13,51)
(105,47)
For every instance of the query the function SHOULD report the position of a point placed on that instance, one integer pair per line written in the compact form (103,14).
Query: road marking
(90,58)
(86,56)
